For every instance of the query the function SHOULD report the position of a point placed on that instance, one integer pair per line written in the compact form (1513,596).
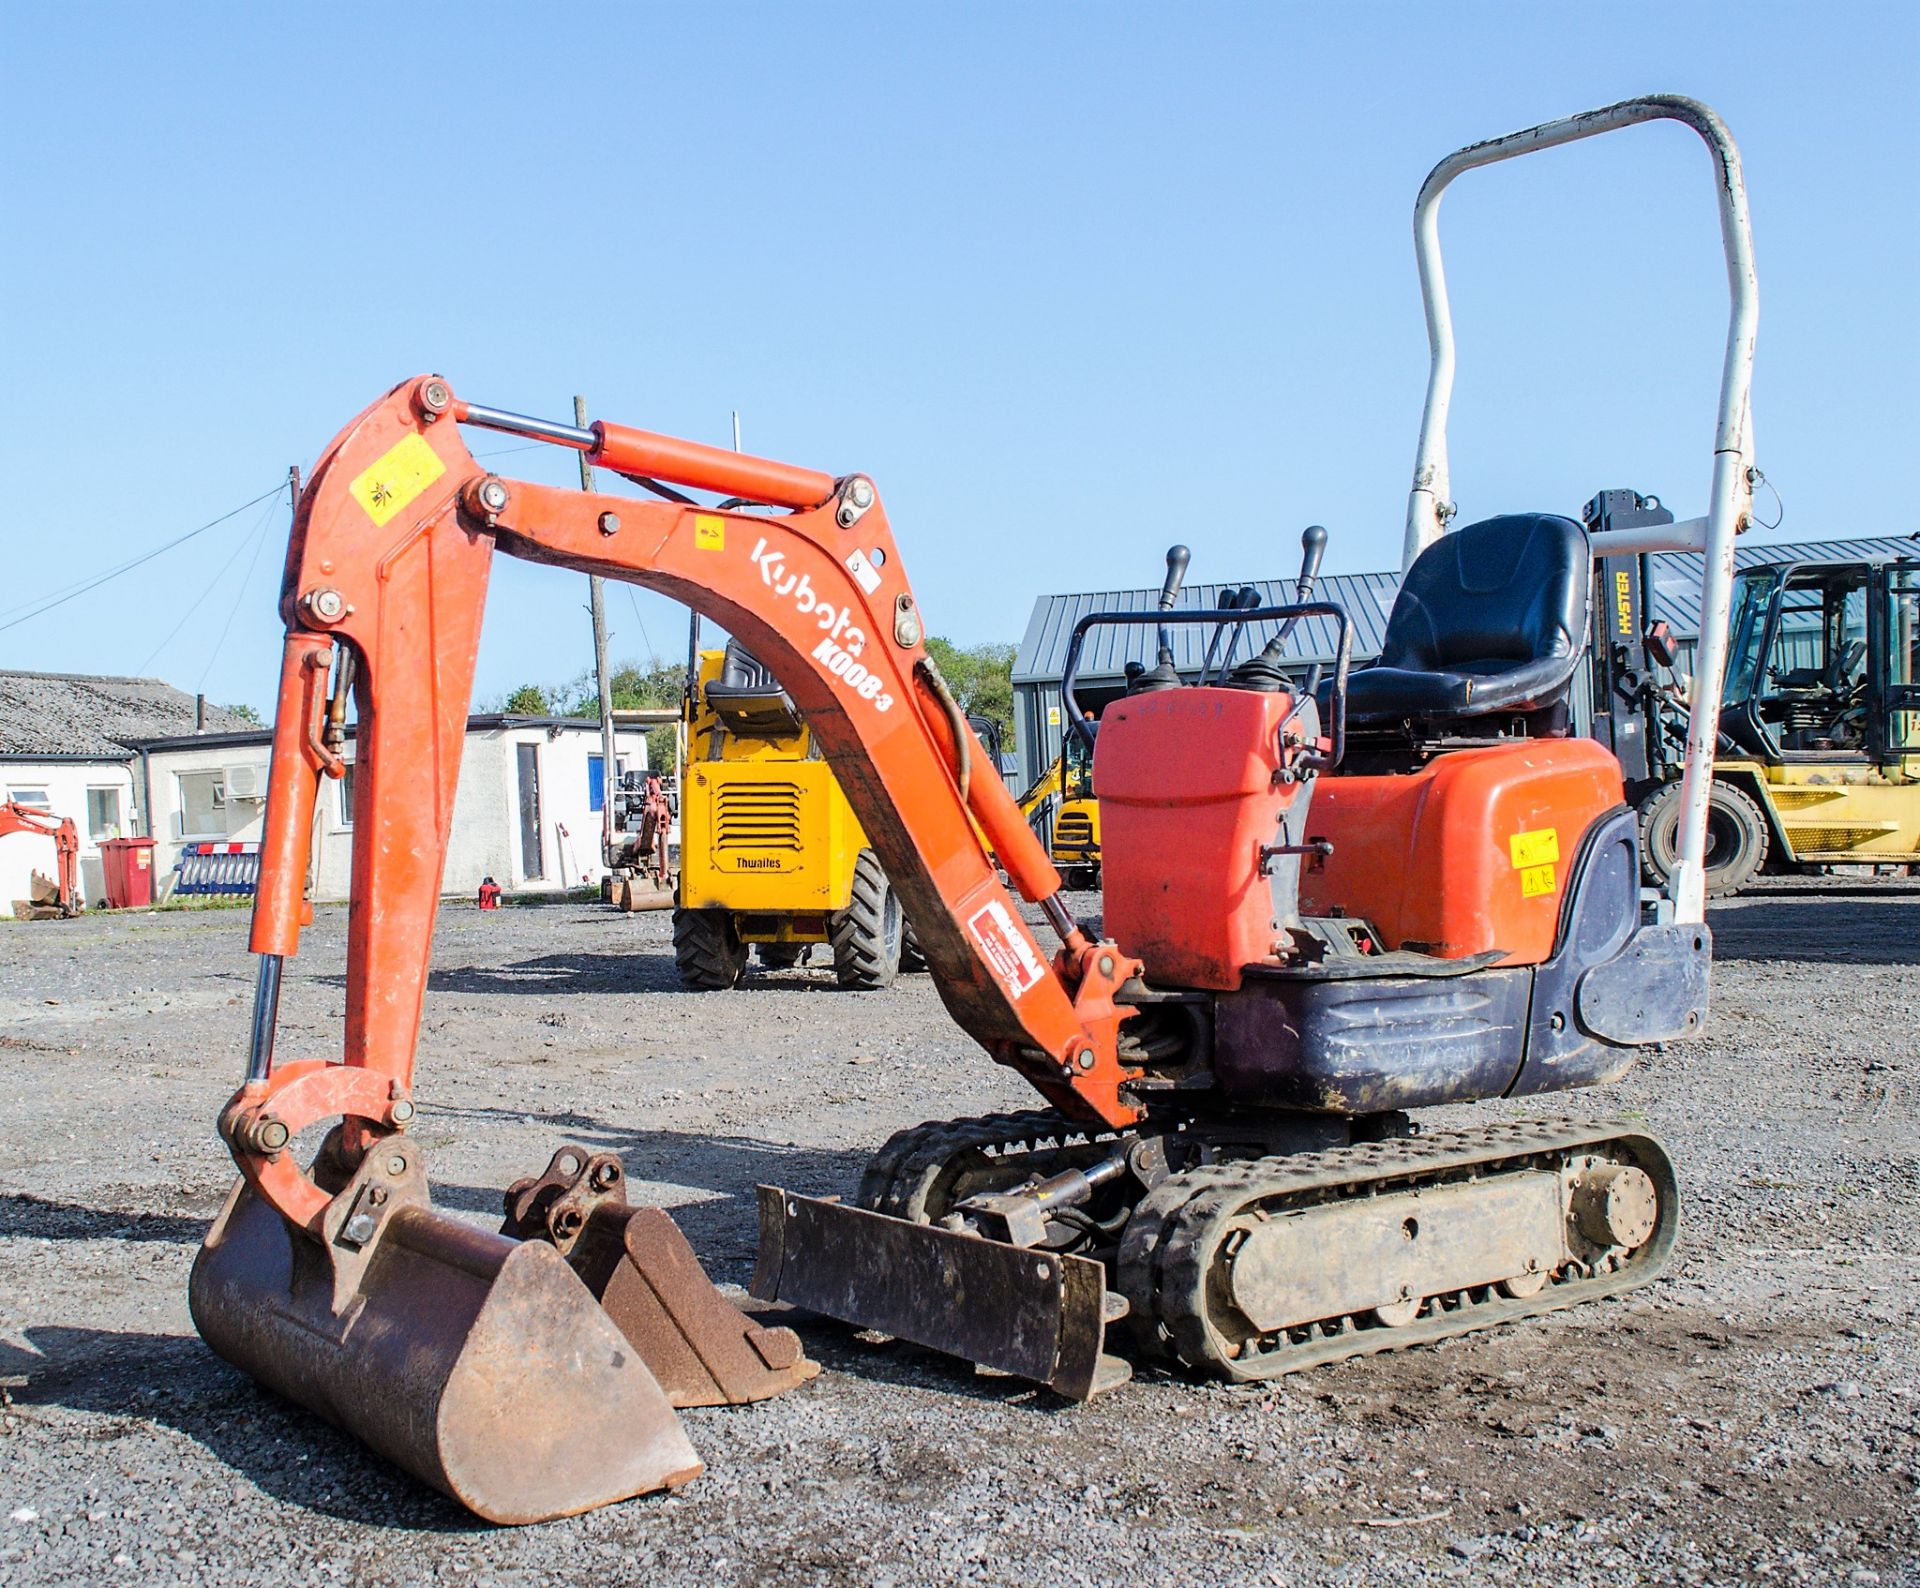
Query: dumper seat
(748,699)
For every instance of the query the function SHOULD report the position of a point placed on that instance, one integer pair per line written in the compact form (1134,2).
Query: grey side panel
(1653,991)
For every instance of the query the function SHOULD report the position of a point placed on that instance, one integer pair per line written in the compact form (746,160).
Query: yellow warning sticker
(1536,880)
(1541,847)
(402,472)
(709,532)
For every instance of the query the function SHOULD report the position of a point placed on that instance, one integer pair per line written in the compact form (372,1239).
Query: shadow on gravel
(638,972)
(130,1379)
(44,1220)
(841,1348)
(1818,929)
(732,1165)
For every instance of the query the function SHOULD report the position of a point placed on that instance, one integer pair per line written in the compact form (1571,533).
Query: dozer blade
(479,1364)
(702,1348)
(1035,1314)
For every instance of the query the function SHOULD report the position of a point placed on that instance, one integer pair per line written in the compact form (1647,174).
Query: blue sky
(1069,281)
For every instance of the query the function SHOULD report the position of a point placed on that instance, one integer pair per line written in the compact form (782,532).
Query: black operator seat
(1489,620)
(748,699)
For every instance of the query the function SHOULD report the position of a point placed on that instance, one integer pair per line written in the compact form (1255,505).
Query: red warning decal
(1008,951)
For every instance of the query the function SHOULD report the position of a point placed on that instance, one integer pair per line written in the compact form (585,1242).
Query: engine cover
(1471,852)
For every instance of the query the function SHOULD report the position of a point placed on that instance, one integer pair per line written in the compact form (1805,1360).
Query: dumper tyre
(707,951)
(783,956)
(1737,837)
(867,934)
(912,961)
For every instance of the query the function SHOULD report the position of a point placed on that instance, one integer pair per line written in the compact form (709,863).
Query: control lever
(1163,674)
(1249,599)
(1264,670)
(1232,600)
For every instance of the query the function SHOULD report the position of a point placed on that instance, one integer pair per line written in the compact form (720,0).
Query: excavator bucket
(642,892)
(478,1363)
(703,1350)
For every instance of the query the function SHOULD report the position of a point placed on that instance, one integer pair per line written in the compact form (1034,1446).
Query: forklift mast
(1629,711)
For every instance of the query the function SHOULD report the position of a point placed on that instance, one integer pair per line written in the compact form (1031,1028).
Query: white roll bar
(1730,501)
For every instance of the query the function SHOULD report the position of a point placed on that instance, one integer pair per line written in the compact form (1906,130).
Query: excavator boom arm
(384,589)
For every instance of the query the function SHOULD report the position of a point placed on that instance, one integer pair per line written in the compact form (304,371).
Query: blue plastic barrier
(217,868)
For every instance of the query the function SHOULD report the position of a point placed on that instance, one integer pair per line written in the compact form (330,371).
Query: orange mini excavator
(62,896)
(1330,901)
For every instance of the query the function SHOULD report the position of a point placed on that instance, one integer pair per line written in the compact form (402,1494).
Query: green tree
(981,678)
(633,688)
(244,712)
(529,700)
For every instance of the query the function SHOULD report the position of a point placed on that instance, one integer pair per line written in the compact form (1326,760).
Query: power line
(259,543)
(74,592)
(652,655)
(208,588)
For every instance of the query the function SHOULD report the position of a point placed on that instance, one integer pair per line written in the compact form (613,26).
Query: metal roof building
(1367,597)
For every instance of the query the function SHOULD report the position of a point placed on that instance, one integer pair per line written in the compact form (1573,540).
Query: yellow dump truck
(772,857)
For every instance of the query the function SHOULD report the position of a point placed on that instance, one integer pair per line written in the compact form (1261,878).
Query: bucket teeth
(639,1266)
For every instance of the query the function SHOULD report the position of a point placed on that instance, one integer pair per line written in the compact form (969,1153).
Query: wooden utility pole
(597,601)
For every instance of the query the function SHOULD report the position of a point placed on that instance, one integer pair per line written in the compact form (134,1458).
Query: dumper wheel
(707,951)
(784,956)
(866,934)
(1737,837)
(911,959)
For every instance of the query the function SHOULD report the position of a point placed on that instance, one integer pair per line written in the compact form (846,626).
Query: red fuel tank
(1189,791)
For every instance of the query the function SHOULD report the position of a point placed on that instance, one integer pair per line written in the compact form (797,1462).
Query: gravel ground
(1751,1417)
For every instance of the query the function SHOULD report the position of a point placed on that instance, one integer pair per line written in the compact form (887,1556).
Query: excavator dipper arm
(384,589)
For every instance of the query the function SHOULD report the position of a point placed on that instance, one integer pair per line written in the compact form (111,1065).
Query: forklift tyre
(1737,837)
(866,935)
(707,951)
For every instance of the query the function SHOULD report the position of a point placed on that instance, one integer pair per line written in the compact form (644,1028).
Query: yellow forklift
(1818,762)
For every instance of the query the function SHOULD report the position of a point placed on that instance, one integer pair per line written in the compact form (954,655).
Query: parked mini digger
(1298,950)
(52,897)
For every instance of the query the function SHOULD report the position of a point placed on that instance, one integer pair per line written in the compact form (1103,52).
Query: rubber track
(700,951)
(1169,1251)
(858,932)
(896,1180)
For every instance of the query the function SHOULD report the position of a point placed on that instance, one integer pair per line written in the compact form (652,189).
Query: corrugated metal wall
(1367,597)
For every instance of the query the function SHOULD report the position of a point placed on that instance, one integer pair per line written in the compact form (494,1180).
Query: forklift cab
(1822,663)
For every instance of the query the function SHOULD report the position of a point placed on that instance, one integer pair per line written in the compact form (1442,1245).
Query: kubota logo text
(845,640)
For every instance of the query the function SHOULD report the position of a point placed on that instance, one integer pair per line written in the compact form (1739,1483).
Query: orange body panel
(1470,853)
(1189,793)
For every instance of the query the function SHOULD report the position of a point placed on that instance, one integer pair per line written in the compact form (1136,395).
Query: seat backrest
(748,699)
(1494,595)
